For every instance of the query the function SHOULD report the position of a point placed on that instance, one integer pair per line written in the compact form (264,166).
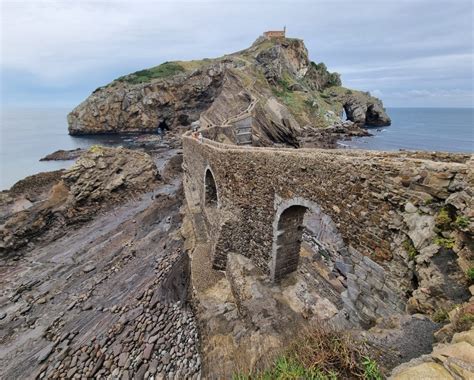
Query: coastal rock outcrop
(101,177)
(125,106)
(366,111)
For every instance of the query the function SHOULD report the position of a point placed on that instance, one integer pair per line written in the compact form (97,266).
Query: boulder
(432,371)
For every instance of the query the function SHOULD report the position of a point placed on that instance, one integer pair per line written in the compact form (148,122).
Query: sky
(410,53)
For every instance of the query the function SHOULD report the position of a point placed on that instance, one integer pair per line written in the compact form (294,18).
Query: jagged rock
(366,111)
(420,228)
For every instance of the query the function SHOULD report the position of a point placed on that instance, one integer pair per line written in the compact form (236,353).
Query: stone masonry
(362,194)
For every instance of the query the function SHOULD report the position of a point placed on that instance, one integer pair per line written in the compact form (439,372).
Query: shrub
(463,321)
(462,221)
(371,369)
(321,354)
(470,275)
(410,249)
(440,316)
(447,243)
(443,219)
(334,79)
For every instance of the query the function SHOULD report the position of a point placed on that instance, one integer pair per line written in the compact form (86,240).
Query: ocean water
(27,134)
(440,129)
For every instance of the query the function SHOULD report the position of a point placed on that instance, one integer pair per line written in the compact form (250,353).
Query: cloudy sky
(408,52)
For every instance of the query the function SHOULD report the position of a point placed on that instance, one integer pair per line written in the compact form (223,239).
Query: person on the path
(160,131)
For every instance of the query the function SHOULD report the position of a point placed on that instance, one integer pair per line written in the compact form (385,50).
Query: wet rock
(61,155)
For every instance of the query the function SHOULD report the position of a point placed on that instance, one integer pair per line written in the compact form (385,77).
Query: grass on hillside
(164,70)
(320,354)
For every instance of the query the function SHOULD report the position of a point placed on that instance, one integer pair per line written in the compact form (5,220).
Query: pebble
(122,359)
(148,351)
(88,268)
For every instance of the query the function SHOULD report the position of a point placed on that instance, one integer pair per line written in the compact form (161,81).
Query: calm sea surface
(27,134)
(442,129)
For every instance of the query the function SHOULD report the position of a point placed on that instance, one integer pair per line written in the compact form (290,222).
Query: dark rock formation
(366,111)
(63,155)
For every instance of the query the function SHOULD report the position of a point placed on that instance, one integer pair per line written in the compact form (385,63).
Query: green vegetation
(462,221)
(283,90)
(285,369)
(334,79)
(470,275)
(97,149)
(440,316)
(321,354)
(164,70)
(447,243)
(443,219)
(410,249)
(463,321)
(300,104)
(371,369)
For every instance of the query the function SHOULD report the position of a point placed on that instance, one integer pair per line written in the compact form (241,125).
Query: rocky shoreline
(60,286)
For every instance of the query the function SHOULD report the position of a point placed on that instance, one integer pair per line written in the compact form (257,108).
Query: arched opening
(210,190)
(163,125)
(303,235)
(288,241)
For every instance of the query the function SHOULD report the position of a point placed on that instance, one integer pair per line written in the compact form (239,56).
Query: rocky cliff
(292,92)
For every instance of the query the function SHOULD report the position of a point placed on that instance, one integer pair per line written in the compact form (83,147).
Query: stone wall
(364,194)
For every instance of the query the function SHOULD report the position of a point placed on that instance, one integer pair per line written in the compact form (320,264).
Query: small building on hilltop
(275,33)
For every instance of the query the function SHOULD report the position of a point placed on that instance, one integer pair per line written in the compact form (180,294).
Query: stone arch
(211,198)
(292,218)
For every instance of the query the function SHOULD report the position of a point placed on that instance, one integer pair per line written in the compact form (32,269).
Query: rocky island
(241,245)
(295,96)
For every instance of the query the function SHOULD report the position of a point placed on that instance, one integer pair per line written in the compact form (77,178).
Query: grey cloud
(391,46)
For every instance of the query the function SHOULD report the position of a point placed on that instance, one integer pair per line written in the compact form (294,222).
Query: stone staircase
(243,133)
(241,123)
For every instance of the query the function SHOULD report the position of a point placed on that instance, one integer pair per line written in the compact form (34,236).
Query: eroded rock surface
(100,178)
(107,299)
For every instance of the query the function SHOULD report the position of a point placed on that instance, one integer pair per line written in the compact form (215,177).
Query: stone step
(246,134)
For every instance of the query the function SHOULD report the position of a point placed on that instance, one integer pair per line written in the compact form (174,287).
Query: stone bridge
(354,208)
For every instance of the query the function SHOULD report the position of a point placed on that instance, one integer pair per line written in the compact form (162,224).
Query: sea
(28,134)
